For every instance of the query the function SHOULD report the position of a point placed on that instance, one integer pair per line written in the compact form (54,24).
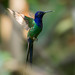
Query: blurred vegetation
(55,48)
(5,3)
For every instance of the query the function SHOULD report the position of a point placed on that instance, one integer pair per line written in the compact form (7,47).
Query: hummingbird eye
(39,13)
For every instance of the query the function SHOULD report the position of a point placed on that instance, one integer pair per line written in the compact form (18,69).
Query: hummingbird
(35,27)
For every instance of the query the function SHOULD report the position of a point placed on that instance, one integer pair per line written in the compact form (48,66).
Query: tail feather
(30,51)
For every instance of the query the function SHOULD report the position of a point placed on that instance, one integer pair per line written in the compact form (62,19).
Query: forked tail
(30,51)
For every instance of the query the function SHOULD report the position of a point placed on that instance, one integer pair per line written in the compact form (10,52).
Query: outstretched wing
(25,21)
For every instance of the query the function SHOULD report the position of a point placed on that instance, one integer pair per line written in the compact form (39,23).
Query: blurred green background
(55,48)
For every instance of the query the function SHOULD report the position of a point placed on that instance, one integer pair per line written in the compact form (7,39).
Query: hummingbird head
(40,14)
(38,17)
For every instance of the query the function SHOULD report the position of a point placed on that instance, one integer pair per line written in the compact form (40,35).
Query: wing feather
(25,21)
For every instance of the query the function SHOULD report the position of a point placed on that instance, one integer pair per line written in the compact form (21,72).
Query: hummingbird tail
(30,50)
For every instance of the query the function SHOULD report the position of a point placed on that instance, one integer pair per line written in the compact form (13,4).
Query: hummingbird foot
(35,39)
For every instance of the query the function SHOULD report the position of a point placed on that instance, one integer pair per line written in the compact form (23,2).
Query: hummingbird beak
(49,11)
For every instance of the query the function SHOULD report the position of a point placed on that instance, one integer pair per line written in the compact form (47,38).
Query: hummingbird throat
(38,21)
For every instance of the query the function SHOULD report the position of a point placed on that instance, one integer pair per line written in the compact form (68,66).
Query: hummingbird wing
(23,20)
(29,21)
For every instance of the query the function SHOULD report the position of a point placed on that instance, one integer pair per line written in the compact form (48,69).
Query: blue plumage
(38,18)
